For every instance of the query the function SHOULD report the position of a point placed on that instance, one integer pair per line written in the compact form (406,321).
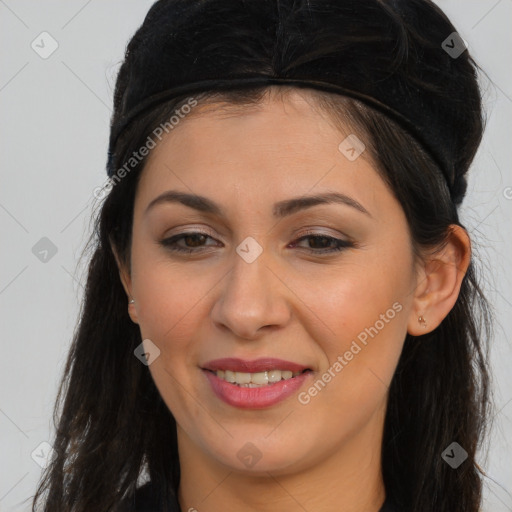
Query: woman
(282,308)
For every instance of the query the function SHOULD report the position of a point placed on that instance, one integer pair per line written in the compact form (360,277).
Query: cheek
(169,299)
(366,328)
(170,303)
(354,298)
(363,307)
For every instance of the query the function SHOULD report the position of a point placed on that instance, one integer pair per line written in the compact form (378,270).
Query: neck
(350,479)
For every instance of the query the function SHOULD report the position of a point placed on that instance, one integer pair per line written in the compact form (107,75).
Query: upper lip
(257,365)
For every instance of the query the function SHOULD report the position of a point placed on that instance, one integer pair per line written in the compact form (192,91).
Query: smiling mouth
(257,379)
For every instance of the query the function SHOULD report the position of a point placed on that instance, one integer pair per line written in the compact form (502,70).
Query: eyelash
(171,243)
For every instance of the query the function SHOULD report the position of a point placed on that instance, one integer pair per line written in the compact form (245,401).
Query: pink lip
(258,365)
(254,398)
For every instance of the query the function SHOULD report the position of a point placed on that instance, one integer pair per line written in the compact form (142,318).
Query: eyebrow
(281,209)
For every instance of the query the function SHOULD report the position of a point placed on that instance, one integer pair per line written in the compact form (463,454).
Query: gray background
(55,123)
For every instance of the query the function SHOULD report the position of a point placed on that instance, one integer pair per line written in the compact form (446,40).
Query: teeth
(229,376)
(242,378)
(258,378)
(274,375)
(255,380)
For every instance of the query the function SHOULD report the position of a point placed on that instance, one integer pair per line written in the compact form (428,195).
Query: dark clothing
(145,501)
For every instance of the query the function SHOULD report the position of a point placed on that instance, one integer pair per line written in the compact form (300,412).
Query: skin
(289,303)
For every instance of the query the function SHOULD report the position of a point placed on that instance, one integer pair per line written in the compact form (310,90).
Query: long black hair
(112,426)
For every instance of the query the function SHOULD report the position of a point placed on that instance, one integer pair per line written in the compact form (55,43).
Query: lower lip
(255,398)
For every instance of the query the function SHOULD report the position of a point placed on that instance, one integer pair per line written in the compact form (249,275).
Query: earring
(422,321)
(132,301)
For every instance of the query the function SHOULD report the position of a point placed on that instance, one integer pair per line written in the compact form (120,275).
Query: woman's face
(251,274)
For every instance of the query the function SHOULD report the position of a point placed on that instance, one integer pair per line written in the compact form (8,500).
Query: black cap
(402,57)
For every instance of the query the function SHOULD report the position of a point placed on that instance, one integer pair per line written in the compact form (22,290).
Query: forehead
(282,146)
(284,119)
(281,115)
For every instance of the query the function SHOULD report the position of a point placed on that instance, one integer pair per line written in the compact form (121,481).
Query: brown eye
(324,244)
(192,240)
(195,241)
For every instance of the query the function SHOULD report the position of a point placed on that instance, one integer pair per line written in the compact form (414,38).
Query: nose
(253,299)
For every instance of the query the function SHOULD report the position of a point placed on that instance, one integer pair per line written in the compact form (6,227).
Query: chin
(258,455)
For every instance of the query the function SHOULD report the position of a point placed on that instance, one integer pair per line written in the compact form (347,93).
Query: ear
(439,281)
(125,276)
